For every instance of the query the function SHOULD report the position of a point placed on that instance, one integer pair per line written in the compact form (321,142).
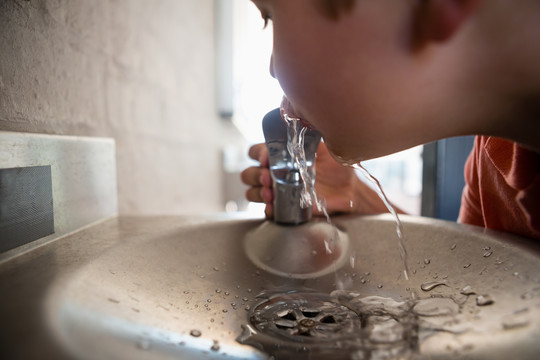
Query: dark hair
(333,8)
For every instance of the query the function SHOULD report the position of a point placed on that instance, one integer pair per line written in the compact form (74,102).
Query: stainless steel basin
(192,293)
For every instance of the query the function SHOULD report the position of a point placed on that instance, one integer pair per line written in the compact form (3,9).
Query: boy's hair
(333,8)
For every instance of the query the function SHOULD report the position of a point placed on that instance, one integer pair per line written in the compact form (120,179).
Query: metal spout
(287,182)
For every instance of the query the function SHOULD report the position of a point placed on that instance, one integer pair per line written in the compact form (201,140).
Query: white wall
(141,72)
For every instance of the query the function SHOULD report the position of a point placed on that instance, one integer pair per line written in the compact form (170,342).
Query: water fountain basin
(189,291)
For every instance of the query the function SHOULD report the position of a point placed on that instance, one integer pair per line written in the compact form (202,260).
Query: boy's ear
(438,20)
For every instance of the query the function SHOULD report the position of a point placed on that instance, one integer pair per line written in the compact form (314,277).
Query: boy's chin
(344,156)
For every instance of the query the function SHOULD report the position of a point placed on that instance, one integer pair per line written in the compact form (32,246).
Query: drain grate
(309,325)
(305,317)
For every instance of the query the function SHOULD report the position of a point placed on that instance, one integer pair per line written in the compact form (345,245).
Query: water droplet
(427,261)
(225,310)
(531,294)
(380,286)
(487,254)
(215,346)
(519,318)
(216,268)
(486,248)
(227,293)
(209,300)
(186,291)
(516,274)
(514,323)
(467,290)
(218,291)
(466,266)
(453,246)
(352,262)
(484,300)
(247,308)
(436,307)
(144,344)
(195,333)
(430,285)
(249,290)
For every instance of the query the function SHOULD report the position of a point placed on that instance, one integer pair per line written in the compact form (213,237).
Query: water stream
(392,210)
(295,146)
(343,323)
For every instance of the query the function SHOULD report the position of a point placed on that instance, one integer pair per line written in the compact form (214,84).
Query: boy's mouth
(306,124)
(287,109)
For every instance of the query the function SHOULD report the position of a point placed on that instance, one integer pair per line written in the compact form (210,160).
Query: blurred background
(182,87)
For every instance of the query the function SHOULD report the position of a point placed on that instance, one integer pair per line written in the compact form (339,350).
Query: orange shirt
(502,190)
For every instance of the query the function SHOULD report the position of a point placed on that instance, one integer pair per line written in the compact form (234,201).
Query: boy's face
(351,77)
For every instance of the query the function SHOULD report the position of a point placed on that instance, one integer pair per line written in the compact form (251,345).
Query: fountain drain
(304,317)
(318,326)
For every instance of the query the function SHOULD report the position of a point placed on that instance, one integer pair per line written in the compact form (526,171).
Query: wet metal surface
(162,290)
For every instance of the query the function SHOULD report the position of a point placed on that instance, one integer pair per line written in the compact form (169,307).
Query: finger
(260,194)
(256,176)
(267,195)
(251,176)
(265,179)
(269,211)
(259,152)
(254,194)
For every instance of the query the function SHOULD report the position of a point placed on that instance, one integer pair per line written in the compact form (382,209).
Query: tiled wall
(141,72)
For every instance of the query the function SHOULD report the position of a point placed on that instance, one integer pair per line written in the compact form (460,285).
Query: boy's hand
(337,184)
(259,179)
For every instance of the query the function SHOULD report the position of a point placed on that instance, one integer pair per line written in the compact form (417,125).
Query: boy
(376,77)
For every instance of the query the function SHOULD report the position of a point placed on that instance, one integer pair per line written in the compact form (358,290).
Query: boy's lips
(286,108)
(306,124)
